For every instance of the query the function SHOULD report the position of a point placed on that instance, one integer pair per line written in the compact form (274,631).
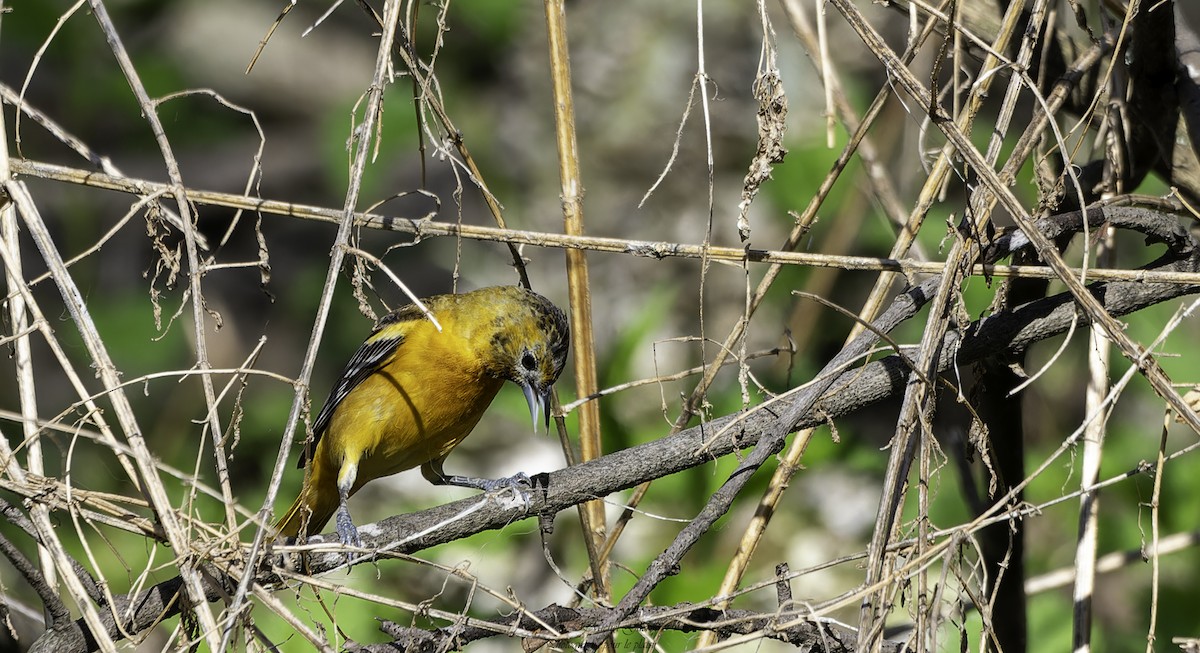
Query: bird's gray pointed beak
(539,403)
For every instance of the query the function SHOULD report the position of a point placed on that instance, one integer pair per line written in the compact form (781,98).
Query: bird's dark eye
(528,361)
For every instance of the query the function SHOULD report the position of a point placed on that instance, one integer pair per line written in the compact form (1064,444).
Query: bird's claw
(518,486)
(347,532)
(519,481)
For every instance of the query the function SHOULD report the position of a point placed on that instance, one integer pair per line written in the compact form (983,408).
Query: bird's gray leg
(347,532)
(519,482)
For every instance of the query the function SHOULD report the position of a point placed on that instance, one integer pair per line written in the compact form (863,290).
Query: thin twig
(422,229)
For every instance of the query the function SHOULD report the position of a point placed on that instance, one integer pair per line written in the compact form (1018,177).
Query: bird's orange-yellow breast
(418,407)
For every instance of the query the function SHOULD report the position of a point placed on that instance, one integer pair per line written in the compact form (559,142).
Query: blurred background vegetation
(634,66)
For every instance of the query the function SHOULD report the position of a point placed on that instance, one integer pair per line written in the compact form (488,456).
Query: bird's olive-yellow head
(533,348)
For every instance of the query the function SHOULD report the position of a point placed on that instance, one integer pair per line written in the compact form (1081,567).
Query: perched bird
(411,393)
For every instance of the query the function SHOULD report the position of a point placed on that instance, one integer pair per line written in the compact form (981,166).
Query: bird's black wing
(375,351)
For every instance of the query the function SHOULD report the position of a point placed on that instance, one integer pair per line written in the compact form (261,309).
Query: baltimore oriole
(411,393)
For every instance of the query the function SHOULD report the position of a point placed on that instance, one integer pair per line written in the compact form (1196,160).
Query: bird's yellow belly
(393,423)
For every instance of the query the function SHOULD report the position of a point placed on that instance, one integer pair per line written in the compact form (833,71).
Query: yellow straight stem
(592,513)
